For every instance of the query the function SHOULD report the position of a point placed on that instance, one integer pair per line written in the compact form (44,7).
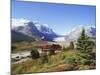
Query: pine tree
(84,44)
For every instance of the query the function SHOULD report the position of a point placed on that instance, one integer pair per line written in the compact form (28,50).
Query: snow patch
(19,22)
(59,39)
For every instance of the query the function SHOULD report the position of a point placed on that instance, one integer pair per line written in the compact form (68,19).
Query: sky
(60,17)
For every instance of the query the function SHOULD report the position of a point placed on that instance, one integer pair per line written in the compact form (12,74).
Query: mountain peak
(30,23)
(35,29)
(74,33)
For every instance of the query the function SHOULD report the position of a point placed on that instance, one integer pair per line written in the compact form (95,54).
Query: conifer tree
(84,44)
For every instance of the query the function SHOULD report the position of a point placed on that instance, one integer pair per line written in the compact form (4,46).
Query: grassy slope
(57,62)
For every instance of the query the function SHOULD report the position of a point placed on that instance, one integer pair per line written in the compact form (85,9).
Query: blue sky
(60,17)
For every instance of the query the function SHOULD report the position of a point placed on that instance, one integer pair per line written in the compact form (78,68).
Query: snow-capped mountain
(36,30)
(45,29)
(28,29)
(74,34)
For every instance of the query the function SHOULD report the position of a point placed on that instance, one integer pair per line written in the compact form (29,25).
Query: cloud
(19,22)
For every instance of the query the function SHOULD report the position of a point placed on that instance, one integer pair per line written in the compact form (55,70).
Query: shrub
(62,56)
(51,52)
(44,58)
(71,46)
(93,55)
(73,62)
(88,62)
(13,47)
(85,55)
(35,54)
(64,49)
